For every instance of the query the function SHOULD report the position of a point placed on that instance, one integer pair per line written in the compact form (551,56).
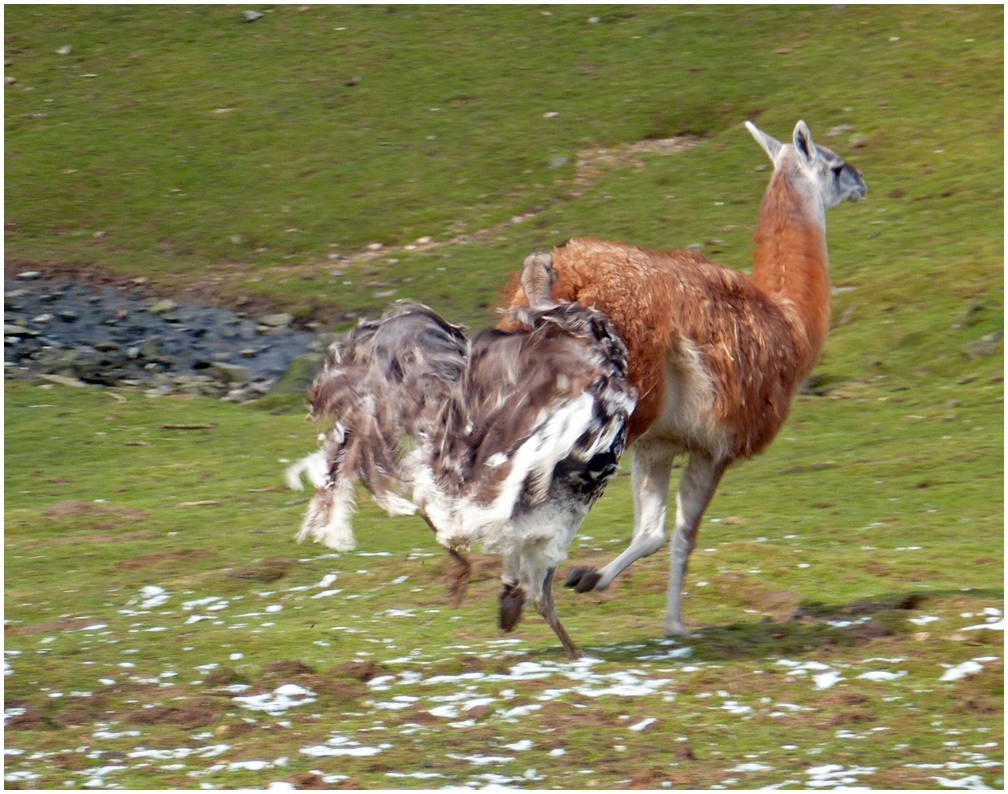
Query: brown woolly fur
(757,339)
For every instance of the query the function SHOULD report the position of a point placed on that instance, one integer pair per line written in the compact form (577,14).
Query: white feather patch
(315,466)
(327,518)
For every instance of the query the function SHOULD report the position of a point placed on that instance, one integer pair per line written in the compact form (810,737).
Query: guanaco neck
(790,263)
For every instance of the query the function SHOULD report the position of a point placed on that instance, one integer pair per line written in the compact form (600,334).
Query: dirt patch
(266,571)
(848,717)
(362,671)
(147,560)
(57,624)
(187,716)
(289,667)
(74,762)
(648,779)
(91,512)
(462,664)
(31,720)
(752,594)
(223,677)
(81,539)
(309,781)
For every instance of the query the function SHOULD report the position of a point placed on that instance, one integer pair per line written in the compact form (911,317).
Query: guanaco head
(818,168)
(537,279)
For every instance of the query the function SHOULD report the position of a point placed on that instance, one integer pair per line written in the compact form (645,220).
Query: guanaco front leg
(652,469)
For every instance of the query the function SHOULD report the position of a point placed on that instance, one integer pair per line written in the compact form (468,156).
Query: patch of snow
(961,671)
(277,702)
(882,675)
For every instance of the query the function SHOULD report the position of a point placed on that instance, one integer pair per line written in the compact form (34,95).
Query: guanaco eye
(837,170)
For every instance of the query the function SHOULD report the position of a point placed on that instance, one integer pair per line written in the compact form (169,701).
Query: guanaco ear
(803,141)
(770,145)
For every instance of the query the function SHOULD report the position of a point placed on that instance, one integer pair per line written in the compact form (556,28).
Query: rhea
(505,440)
(716,357)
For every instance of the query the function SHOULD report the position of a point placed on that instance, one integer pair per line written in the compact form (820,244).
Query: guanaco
(716,357)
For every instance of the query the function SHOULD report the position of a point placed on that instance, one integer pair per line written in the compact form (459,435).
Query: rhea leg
(512,598)
(652,469)
(696,488)
(546,607)
(460,581)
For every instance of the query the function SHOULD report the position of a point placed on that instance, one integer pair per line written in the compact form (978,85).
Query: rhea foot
(512,600)
(583,579)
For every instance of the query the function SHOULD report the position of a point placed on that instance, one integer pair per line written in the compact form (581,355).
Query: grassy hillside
(848,584)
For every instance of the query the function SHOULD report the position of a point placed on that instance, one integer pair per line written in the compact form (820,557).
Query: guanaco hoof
(511,602)
(582,579)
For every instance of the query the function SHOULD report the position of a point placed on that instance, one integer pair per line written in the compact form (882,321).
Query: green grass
(882,499)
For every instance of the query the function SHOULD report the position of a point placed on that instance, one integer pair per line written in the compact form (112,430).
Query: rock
(248,352)
(17,330)
(151,347)
(557,161)
(251,16)
(162,306)
(974,313)
(64,50)
(231,373)
(299,374)
(67,315)
(42,319)
(375,247)
(279,320)
(132,353)
(984,346)
(822,383)
(29,275)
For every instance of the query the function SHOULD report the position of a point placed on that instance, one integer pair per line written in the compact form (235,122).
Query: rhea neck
(790,263)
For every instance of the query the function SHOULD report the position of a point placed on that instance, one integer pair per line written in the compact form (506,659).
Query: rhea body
(716,357)
(505,440)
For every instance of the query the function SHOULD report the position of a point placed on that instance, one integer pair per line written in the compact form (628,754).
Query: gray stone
(231,373)
(67,315)
(984,346)
(29,275)
(251,16)
(248,352)
(279,320)
(162,306)
(973,315)
(299,374)
(151,347)
(822,383)
(557,161)
(42,319)
(17,330)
